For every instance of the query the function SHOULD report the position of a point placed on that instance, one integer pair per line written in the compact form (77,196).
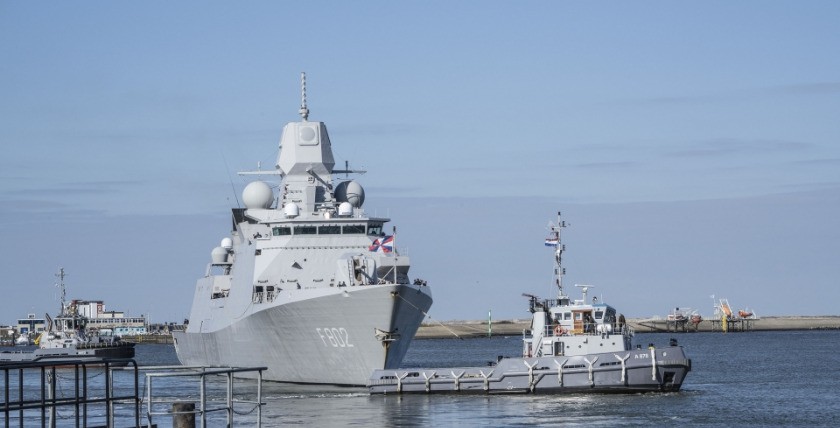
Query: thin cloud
(809,88)
(817,162)
(813,88)
(729,146)
(79,188)
(607,165)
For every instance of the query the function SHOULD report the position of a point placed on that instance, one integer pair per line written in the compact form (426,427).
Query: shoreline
(466,329)
(475,329)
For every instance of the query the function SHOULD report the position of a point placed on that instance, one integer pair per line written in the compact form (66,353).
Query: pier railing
(58,392)
(107,392)
(193,386)
(590,330)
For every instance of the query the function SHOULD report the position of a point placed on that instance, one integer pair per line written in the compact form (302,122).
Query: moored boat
(572,346)
(67,337)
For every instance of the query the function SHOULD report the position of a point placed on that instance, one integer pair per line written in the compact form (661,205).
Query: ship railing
(66,391)
(193,382)
(590,330)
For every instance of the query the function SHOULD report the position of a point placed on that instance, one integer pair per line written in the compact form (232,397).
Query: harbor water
(744,379)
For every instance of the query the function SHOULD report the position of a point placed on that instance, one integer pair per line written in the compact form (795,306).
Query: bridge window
(306,230)
(353,229)
(281,231)
(329,230)
(375,230)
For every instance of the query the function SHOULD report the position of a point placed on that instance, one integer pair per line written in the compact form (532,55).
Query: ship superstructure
(307,284)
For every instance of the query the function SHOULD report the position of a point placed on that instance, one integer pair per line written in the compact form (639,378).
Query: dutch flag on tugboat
(552,241)
(386,244)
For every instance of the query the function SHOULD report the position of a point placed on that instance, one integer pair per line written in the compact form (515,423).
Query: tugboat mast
(60,276)
(554,241)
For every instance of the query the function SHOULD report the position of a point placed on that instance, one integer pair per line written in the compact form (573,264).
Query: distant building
(31,325)
(87,308)
(114,321)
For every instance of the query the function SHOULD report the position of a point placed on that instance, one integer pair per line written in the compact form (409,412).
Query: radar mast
(553,240)
(304,111)
(60,285)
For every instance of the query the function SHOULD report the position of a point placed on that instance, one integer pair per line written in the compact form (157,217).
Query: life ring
(558,331)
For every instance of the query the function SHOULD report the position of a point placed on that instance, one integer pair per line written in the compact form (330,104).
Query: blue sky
(692,146)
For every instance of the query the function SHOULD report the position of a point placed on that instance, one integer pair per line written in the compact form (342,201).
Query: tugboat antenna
(60,276)
(304,111)
(554,241)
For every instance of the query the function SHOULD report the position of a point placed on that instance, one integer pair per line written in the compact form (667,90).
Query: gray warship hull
(338,338)
(633,371)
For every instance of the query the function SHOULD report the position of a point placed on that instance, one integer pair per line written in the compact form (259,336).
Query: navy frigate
(573,346)
(307,284)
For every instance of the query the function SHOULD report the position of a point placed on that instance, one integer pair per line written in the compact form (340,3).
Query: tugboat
(573,346)
(67,337)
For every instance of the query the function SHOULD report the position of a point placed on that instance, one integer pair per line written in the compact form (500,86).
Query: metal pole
(111,387)
(136,395)
(230,399)
(108,391)
(203,414)
(6,397)
(259,399)
(149,398)
(76,393)
(43,393)
(52,396)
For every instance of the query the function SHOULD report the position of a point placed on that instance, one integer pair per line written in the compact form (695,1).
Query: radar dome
(219,255)
(345,209)
(350,191)
(227,243)
(257,194)
(291,210)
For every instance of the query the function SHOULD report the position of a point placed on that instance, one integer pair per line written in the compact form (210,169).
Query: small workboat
(67,337)
(573,346)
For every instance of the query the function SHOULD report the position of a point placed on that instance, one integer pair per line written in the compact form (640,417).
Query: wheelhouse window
(329,230)
(375,230)
(599,315)
(306,230)
(281,231)
(353,229)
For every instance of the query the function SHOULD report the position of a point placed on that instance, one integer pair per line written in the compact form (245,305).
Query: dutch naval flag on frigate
(386,245)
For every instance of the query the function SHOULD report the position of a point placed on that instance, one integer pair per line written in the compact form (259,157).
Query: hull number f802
(337,337)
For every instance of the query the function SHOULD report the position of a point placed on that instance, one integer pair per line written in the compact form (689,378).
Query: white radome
(345,209)
(219,255)
(257,194)
(227,243)
(350,191)
(291,210)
